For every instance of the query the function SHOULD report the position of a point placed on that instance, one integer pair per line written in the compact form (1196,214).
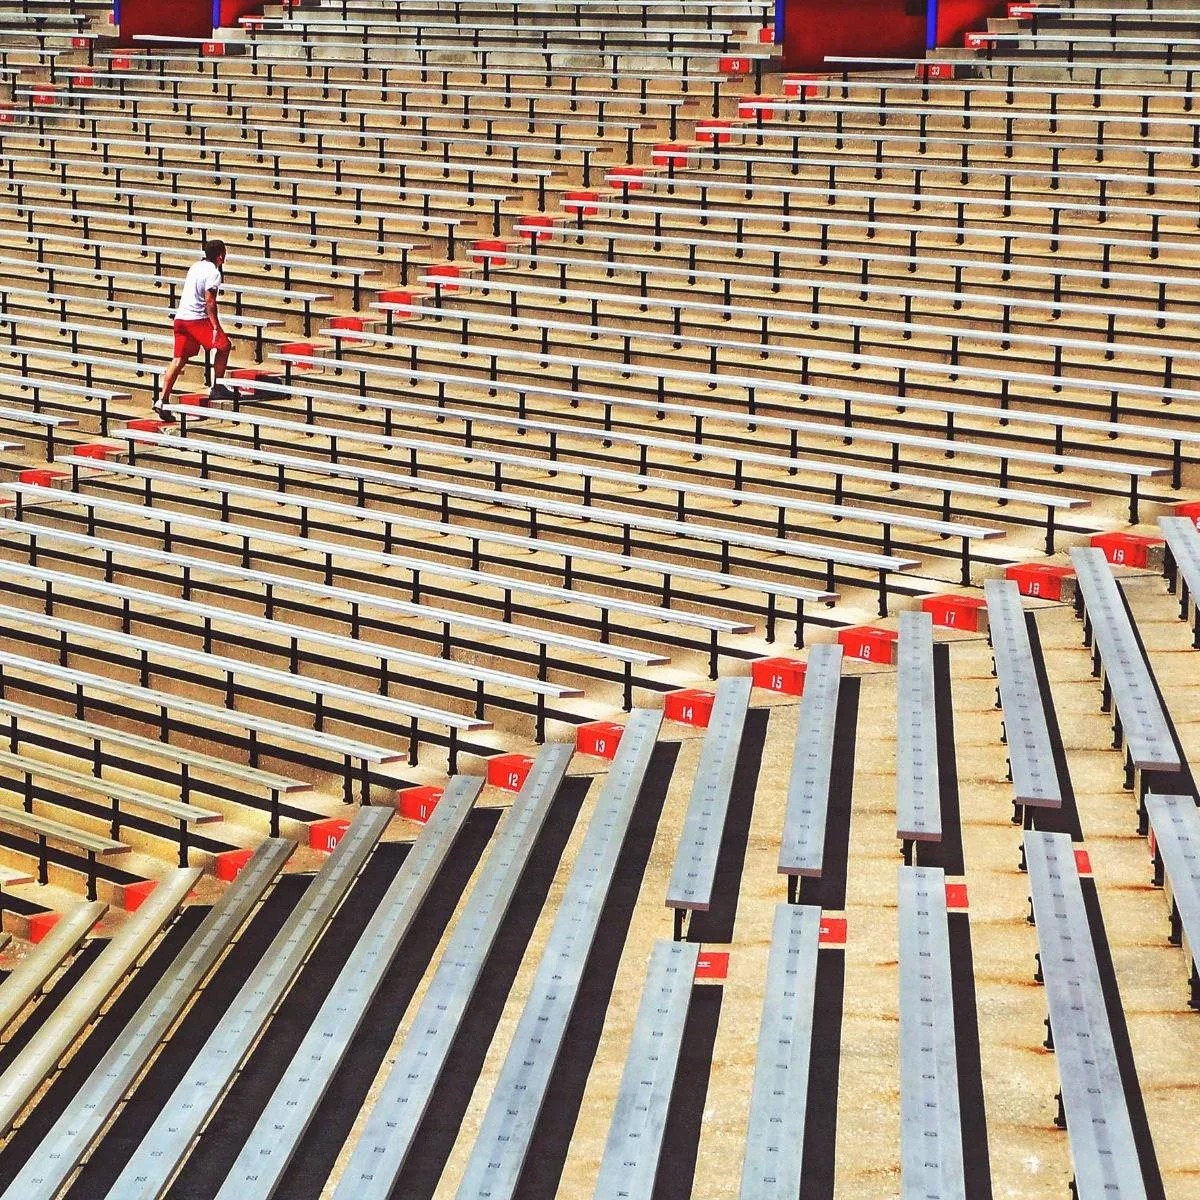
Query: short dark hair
(213,250)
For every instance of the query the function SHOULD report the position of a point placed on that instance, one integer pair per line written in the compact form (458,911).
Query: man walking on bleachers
(198,326)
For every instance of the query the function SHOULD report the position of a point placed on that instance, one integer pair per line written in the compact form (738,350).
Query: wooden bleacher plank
(693,874)
(384,1144)
(802,846)
(39,1057)
(772,1168)
(44,1173)
(631,1154)
(33,972)
(918,787)
(931,1149)
(502,1144)
(165,1146)
(270,1145)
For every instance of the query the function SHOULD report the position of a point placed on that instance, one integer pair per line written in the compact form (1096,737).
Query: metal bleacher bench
(694,873)
(1182,567)
(918,787)
(82,689)
(1092,1103)
(1031,761)
(180,1116)
(192,767)
(28,1071)
(31,975)
(533,506)
(59,1152)
(303,642)
(77,840)
(1139,723)
(269,1147)
(931,1151)
(502,1144)
(1175,825)
(772,1168)
(634,1146)
(802,845)
(181,813)
(409,1084)
(591,473)
(208,575)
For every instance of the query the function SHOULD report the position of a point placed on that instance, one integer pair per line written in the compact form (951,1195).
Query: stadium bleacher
(467,758)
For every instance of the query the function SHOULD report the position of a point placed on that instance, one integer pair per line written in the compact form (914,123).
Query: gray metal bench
(802,846)
(269,1147)
(30,1069)
(1175,824)
(392,1124)
(32,973)
(180,1118)
(634,1145)
(498,1155)
(1031,762)
(1091,1100)
(1139,723)
(774,1158)
(931,1151)
(1182,568)
(918,787)
(79,841)
(44,1173)
(694,873)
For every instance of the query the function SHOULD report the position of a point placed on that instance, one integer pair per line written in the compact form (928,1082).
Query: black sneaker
(220,392)
(161,413)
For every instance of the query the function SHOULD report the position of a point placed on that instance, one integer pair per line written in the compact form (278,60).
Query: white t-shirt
(203,278)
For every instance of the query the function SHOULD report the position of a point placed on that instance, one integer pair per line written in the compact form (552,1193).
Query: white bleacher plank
(694,872)
(1030,752)
(494,1167)
(253,777)
(37,1060)
(47,1169)
(1103,1151)
(383,1146)
(802,847)
(1175,824)
(152,1165)
(1139,712)
(918,786)
(394,709)
(1182,567)
(270,1145)
(160,806)
(31,974)
(931,1151)
(633,1149)
(772,1169)
(85,681)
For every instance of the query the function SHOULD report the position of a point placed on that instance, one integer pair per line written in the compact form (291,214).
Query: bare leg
(220,363)
(169,378)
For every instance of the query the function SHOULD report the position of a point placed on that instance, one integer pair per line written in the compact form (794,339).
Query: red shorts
(191,336)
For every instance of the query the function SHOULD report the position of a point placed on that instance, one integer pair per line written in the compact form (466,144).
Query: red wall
(179,18)
(815,28)
(956,17)
(874,28)
(231,10)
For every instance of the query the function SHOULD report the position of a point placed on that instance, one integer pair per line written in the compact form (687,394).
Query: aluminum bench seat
(802,844)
